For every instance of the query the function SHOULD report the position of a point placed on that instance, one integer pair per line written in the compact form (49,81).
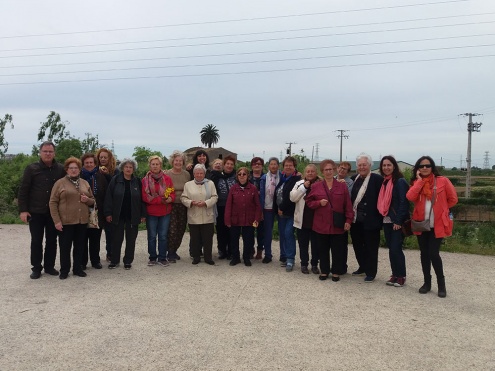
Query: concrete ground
(186,317)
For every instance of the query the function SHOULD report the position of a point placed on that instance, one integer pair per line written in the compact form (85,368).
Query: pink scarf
(385,195)
(151,183)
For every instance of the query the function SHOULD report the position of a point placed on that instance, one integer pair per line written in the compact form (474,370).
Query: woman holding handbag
(393,205)
(333,216)
(433,195)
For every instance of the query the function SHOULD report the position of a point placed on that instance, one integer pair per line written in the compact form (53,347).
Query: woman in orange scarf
(433,195)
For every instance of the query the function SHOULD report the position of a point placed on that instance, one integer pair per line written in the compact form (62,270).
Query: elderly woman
(242,215)
(365,230)
(200,198)
(178,217)
(268,183)
(333,216)
(433,195)
(393,205)
(124,209)
(303,220)
(223,181)
(108,167)
(285,208)
(158,195)
(217,165)
(98,184)
(69,207)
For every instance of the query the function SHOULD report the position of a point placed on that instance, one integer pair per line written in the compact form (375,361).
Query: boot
(442,291)
(426,286)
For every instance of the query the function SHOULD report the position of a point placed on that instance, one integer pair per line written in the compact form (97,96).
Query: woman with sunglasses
(242,216)
(433,195)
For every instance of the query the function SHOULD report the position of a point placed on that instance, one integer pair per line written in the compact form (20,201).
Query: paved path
(186,317)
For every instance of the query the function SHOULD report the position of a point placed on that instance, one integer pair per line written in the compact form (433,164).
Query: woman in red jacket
(432,195)
(242,215)
(326,198)
(158,195)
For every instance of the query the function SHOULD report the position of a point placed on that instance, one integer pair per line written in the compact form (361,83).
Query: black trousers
(366,243)
(334,243)
(41,225)
(131,232)
(72,235)
(429,247)
(305,236)
(201,236)
(247,233)
(260,235)
(91,247)
(223,232)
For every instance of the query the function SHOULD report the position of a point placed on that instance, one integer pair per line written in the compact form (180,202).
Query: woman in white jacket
(303,220)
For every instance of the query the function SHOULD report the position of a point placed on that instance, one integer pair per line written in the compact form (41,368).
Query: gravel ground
(186,317)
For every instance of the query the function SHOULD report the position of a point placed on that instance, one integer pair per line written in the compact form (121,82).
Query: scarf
(272,183)
(90,177)
(385,195)
(74,180)
(427,186)
(150,184)
(360,195)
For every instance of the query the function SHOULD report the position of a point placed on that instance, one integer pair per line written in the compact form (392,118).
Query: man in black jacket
(34,195)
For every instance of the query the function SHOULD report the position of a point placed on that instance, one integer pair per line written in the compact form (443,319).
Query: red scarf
(385,195)
(151,183)
(427,189)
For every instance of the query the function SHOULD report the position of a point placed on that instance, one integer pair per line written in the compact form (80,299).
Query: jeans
(429,247)
(131,232)
(287,238)
(157,226)
(42,225)
(366,243)
(247,241)
(260,235)
(72,234)
(91,247)
(304,237)
(268,219)
(394,241)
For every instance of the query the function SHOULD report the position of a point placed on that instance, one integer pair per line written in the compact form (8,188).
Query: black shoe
(210,262)
(222,255)
(196,261)
(84,267)
(359,272)
(247,262)
(127,267)
(266,260)
(315,270)
(322,277)
(35,274)
(63,275)
(112,266)
(234,262)
(304,269)
(51,271)
(335,278)
(79,273)
(97,266)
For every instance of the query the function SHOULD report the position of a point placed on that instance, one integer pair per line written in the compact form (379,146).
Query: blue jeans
(157,226)
(287,238)
(394,241)
(268,219)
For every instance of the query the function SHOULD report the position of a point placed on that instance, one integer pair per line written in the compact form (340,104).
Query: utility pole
(342,136)
(472,126)
(289,150)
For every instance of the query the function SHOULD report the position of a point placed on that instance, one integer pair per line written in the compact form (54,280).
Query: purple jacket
(243,206)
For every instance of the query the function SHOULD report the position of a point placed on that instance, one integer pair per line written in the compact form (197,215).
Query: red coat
(340,200)
(243,206)
(445,198)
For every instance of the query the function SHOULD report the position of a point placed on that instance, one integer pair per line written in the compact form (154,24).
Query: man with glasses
(34,195)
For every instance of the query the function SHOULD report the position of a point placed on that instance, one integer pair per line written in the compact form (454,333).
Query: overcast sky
(395,74)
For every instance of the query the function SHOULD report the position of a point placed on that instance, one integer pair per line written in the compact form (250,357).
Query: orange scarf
(428,186)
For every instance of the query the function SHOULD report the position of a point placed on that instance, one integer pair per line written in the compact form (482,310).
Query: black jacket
(399,206)
(288,207)
(36,186)
(368,205)
(115,197)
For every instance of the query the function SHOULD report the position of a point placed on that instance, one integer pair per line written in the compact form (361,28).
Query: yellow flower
(168,192)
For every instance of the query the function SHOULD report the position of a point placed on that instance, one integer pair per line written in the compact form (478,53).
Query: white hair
(199,167)
(366,156)
(126,161)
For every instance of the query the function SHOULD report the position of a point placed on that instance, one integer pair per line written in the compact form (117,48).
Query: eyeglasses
(427,166)
(242,174)
(73,168)
(343,168)
(330,169)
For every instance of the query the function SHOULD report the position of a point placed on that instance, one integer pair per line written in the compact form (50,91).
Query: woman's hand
(108,219)
(323,202)
(255,224)
(84,198)
(418,174)
(396,227)
(347,226)
(143,220)
(59,227)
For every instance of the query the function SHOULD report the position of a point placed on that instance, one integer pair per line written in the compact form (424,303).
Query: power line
(251,53)
(247,41)
(238,20)
(248,72)
(249,33)
(245,62)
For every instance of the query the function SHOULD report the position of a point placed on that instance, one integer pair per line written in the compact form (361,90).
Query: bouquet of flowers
(168,192)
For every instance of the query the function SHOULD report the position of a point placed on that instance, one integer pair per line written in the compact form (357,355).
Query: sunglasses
(427,166)
(242,174)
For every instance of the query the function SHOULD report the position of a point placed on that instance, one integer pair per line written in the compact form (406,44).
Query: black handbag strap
(328,194)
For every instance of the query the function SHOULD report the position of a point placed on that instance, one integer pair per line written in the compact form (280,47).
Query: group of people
(83,197)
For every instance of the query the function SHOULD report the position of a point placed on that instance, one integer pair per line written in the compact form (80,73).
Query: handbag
(424,225)
(407,228)
(338,217)
(93,217)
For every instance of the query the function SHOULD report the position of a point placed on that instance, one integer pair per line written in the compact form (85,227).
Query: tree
(90,143)
(141,155)
(209,135)
(53,129)
(4,145)
(68,147)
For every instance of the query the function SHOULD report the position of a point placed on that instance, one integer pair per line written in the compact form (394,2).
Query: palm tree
(209,135)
